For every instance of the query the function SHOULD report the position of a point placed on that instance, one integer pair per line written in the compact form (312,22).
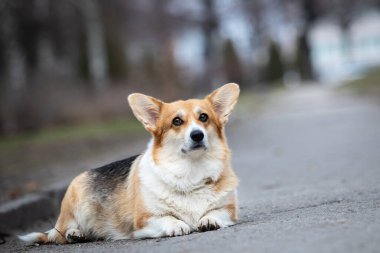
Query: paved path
(309,167)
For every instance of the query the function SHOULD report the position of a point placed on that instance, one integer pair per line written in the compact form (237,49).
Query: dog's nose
(197,135)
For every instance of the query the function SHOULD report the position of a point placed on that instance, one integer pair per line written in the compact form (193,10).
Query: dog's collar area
(201,185)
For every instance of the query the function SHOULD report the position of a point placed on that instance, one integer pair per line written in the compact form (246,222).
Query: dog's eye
(177,121)
(203,117)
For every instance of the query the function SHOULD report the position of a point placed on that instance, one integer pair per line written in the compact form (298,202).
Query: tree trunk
(304,58)
(304,54)
(15,73)
(209,27)
(95,41)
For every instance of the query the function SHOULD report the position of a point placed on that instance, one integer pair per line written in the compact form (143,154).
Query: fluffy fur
(177,186)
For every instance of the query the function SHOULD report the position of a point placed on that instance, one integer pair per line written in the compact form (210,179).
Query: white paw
(208,223)
(74,235)
(177,228)
(214,220)
(162,226)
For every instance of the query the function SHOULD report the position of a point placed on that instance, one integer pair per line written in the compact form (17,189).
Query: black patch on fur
(105,179)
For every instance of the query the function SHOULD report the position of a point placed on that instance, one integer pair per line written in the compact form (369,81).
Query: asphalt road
(309,169)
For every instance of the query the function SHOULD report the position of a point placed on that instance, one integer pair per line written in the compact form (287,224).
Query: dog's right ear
(224,99)
(146,109)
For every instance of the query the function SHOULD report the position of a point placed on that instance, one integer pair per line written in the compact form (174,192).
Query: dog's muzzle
(197,136)
(197,141)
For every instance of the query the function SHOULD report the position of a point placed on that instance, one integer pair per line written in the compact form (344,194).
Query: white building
(339,55)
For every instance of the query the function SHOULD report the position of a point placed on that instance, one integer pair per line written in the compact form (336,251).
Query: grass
(73,132)
(28,161)
(89,131)
(367,85)
(248,101)
(254,101)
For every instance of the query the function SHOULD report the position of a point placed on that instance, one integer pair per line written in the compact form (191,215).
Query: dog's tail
(35,237)
(51,236)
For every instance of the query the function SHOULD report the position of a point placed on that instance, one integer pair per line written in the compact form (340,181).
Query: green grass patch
(254,101)
(249,100)
(368,84)
(74,132)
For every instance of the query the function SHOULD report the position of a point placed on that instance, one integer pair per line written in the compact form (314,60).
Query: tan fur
(226,181)
(125,210)
(70,202)
(133,202)
(232,208)
(169,110)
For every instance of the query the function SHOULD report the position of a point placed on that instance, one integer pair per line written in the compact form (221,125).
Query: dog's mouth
(194,147)
(198,146)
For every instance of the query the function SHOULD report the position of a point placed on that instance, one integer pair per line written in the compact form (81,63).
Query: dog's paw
(215,219)
(162,227)
(177,228)
(208,223)
(74,235)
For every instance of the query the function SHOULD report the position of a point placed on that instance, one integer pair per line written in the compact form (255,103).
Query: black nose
(197,135)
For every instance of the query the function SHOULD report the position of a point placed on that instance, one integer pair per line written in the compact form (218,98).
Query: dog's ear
(223,100)
(146,109)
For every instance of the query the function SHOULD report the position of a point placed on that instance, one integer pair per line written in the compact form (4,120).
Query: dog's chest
(189,207)
(180,189)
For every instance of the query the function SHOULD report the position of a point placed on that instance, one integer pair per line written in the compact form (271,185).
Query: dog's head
(188,128)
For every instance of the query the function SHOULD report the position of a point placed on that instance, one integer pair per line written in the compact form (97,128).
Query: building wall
(338,55)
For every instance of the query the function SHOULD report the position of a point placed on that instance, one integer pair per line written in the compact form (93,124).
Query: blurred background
(67,66)
(74,61)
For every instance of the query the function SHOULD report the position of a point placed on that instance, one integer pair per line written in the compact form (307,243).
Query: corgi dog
(182,183)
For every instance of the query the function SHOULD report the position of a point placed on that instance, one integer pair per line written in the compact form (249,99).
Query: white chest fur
(179,189)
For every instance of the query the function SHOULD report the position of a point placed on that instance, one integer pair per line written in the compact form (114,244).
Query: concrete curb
(23,212)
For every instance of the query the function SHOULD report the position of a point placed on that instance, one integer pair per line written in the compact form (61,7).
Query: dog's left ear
(223,100)
(146,109)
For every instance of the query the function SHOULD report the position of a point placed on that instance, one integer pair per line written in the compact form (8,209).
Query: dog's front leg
(215,219)
(162,226)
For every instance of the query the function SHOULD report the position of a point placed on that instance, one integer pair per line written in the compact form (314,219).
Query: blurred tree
(14,63)
(231,63)
(255,12)
(302,59)
(210,25)
(116,40)
(149,65)
(117,62)
(47,46)
(169,73)
(274,69)
(95,38)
